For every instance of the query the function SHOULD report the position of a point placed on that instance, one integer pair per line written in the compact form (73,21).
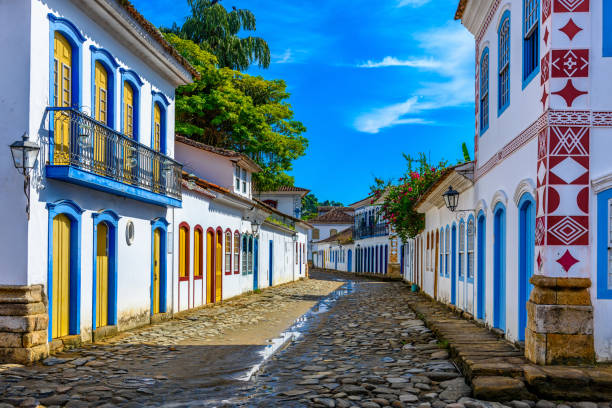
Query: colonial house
(287,199)
(520,238)
(335,252)
(329,221)
(376,247)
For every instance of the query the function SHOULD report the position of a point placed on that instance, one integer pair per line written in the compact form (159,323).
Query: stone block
(24,355)
(543,296)
(104,332)
(34,338)
(569,348)
(22,309)
(497,388)
(21,294)
(574,297)
(535,346)
(13,340)
(564,319)
(74,340)
(23,324)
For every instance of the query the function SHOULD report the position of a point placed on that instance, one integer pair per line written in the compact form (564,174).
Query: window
(101,93)
(238,177)
(198,252)
(228,253)
(484,91)
(461,248)
(157,128)
(607,29)
(315,233)
(333,231)
(531,39)
(271,203)
(128,109)
(503,38)
(236,252)
(446,252)
(184,251)
(250,252)
(604,244)
(470,249)
(442,252)
(244,181)
(245,269)
(296,253)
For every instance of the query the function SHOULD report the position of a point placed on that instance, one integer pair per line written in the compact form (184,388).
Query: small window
(238,178)
(484,91)
(183,252)
(315,233)
(531,38)
(470,249)
(244,181)
(228,253)
(333,232)
(504,63)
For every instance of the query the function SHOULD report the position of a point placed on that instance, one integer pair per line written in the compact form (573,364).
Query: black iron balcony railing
(80,141)
(375,230)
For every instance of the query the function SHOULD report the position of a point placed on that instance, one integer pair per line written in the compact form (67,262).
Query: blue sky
(369,79)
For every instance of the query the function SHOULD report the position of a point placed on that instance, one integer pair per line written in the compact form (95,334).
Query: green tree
(466,153)
(249,114)
(216,30)
(310,206)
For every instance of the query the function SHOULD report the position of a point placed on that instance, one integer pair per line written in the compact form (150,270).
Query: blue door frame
(271,263)
(349,268)
(526,256)
(480,270)
(454,265)
(256,265)
(402,260)
(499,267)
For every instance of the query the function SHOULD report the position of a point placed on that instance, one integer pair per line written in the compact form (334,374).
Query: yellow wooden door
(210,241)
(218,267)
(183,272)
(62,92)
(102,275)
(61,276)
(197,253)
(156,268)
(128,130)
(156,143)
(101,112)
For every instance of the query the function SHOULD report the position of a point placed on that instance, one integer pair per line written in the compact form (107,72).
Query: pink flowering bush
(400,198)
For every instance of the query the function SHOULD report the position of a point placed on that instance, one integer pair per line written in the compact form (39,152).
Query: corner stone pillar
(23,324)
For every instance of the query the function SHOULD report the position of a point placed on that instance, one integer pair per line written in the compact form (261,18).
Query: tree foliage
(399,199)
(216,30)
(233,110)
(466,152)
(310,206)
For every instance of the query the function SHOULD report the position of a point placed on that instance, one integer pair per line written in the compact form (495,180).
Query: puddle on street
(238,383)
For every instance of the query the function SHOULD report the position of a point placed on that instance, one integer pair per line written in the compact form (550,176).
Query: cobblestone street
(358,346)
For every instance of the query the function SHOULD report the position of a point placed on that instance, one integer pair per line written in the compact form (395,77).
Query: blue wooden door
(454,265)
(480,270)
(499,267)
(271,263)
(526,257)
(256,265)
(350,261)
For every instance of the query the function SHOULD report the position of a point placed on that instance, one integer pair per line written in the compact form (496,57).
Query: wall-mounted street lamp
(255,228)
(24,154)
(294,237)
(451,199)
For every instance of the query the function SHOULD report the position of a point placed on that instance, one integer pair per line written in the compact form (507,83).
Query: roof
(274,210)
(465,176)
(242,158)
(362,202)
(287,190)
(157,36)
(336,215)
(342,237)
(326,208)
(460,9)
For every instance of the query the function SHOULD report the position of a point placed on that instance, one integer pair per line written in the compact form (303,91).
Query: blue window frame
(470,249)
(531,40)
(607,29)
(453,261)
(481,274)
(162,102)
(446,251)
(111,219)
(499,267)
(484,91)
(460,270)
(526,246)
(604,244)
(503,71)
(71,210)
(162,225)
(441,251)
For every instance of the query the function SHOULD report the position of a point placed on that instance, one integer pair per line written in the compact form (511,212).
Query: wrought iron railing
(371,230)
(80,141)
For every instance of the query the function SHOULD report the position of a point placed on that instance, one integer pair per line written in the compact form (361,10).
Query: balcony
(86,152)
(367,231)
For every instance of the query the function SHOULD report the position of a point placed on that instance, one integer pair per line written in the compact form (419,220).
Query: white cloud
(453,65)
(283,58)
(412,3)
(394,62)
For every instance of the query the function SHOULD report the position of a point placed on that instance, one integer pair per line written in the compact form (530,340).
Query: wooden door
(129,155)
(437,263)
(62,93)
(156,269)
(156,143)
(101,115)
(102,275)
(218,266)
(210,266)
(61,276)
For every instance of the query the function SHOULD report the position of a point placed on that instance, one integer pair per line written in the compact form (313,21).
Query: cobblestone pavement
(362,346)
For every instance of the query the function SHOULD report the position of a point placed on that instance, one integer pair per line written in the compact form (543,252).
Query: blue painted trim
(501,108)
(483,129)
(441,271)
(256,264)
(603,291)
(481,265)
(111,219)
(271,263)
(76,40)
(73,212)
(77,176)
(132,78)
(386,257)
(110,64)
(162,224)
(162,101)
(467,262)
(607,29)
(499,266)
(461,268)
(446,253)
(526,246)
(536,71)
(454,264)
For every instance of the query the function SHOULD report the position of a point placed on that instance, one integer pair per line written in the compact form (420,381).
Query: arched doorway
(158,270)
(499,267)
(480,269)
(210,266)
(219,266)
(349,267)
(453,267)
(526,244)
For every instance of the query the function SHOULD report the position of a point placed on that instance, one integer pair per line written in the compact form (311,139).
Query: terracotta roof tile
(460,9)
(334,216)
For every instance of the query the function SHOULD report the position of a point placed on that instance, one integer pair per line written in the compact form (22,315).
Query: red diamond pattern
(570,29)
(570,6)
(570,63)
(568,230)
(567,261)
(545,37)
(545,9)
(545,64)
(569,93)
